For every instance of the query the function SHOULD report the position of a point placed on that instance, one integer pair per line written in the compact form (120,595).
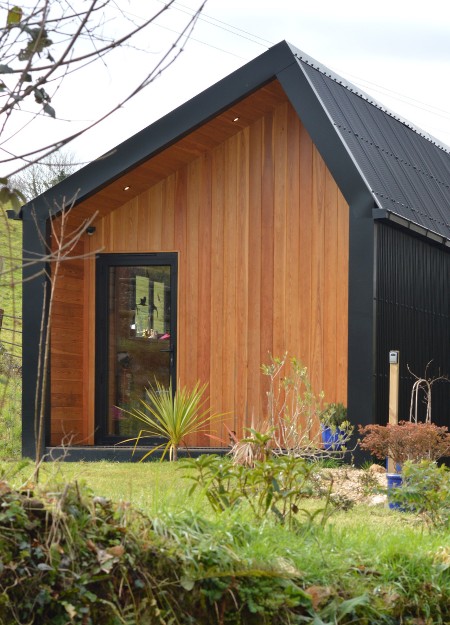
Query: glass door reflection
(139,342)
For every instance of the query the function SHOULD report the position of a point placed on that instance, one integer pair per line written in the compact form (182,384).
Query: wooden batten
(261,230)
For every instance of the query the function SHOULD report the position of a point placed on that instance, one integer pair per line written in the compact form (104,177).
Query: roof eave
(161,134)
(384,214)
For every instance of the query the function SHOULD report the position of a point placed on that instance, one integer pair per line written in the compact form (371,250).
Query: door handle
(171,352)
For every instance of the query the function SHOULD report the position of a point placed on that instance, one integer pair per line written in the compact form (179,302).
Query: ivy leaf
(42,566)
(14,16)
(49,110)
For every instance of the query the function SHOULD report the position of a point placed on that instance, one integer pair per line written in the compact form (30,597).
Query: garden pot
(330,438)
(394,480)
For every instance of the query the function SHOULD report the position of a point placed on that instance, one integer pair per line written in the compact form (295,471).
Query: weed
(425,490)
(368,481)
(276,486)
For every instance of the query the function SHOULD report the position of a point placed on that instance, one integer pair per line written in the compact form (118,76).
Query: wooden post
(394,379)
(1,317)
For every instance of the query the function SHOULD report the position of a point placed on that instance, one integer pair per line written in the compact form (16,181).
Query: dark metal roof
(407,172)
(365,146)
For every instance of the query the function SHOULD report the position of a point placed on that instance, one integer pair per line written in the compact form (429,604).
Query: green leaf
(71,611)
(348,606)
(187,582)
(40,95)
(49,110)
(90,596)
(42,566)
(5,69)
(12,198)
(14,16)
(39,41)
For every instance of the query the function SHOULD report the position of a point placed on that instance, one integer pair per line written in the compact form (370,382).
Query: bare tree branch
(71,31)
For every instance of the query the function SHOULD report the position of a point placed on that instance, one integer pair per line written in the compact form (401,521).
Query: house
(280,209)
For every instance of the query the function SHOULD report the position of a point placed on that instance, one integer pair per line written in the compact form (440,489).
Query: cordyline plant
(406,441)
(171,416)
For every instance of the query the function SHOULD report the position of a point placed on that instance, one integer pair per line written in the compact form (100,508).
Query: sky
(397,51)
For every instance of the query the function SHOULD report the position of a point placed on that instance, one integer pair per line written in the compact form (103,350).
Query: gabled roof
(367,148)
(407,171)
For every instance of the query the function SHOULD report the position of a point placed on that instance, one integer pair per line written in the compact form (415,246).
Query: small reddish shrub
(406,441)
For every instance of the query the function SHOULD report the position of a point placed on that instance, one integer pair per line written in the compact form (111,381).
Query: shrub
(334,416)
(295,411)
(425,490)
(406,441)
(276,486)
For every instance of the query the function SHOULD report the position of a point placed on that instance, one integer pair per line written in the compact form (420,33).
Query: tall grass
(10,413)
(10,336)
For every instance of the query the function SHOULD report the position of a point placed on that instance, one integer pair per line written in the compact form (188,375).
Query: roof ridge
(349,86)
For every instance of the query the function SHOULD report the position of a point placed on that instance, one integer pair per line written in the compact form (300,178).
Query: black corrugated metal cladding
(413,316)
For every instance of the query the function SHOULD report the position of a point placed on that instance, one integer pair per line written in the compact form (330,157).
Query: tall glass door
(136,337)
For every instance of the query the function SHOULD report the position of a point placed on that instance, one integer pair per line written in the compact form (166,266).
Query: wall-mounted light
(90,230)
(127,188)
(236,119)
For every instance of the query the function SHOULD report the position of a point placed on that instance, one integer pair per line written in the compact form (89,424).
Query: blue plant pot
(330,438)
(398,466)
(394,480)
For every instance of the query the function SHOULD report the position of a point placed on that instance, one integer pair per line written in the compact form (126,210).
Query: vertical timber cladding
(261,230)
(413,316)
(67,375)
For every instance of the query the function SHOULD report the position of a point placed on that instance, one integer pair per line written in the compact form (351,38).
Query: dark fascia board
(386,215)
(317,121)
(162,133)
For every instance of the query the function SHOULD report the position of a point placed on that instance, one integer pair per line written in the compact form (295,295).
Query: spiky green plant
(172,415)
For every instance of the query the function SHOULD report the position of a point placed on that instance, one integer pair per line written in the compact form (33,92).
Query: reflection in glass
(138,341)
